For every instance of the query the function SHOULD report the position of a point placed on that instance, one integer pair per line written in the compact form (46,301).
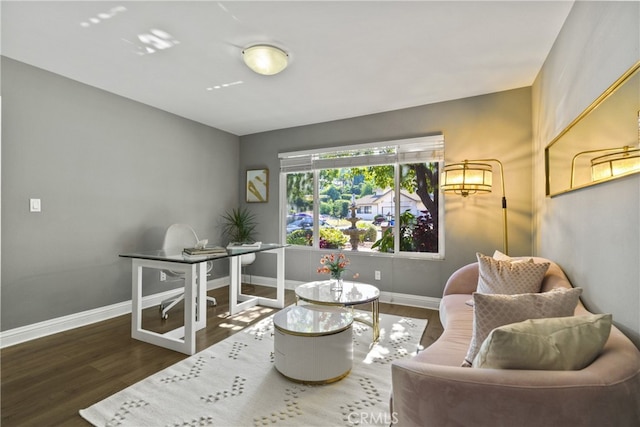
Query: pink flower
(334,264)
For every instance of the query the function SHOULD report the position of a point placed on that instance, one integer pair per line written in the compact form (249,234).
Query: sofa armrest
(462,281)
(605,393)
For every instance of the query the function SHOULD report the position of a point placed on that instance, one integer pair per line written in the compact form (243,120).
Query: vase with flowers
(335,265)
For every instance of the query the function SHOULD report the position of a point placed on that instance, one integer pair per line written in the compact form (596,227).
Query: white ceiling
(347,59)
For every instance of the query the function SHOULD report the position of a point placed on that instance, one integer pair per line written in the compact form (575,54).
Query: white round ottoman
(313,344)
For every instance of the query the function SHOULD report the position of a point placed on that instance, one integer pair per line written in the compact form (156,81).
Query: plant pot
(247,259)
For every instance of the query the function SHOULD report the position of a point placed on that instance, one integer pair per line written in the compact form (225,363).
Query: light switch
(34,205)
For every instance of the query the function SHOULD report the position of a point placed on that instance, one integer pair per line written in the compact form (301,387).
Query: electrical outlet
(35,205)
(163,276)
(377,275)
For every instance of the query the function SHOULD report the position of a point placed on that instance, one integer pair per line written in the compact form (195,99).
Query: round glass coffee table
(351,294)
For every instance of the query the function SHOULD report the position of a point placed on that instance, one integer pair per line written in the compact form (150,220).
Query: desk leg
(278,301)
(136,298)
(248,301)
(201,286)
(237,300)
(181,339)
(235,279)
(190,289)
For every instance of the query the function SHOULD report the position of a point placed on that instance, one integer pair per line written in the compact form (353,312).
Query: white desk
(195,290)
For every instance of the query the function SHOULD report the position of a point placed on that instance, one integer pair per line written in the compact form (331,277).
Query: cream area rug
(235,383)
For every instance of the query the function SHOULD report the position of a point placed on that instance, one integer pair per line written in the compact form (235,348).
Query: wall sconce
(620,161)
(265,59)
(475,176)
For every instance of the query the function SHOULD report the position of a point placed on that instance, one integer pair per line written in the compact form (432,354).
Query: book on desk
(244,246)
(210,250)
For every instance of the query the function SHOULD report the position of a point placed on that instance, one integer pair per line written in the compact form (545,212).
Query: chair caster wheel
(165,316)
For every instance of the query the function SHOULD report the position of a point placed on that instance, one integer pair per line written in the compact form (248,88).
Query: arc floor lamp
(475,176)
(619,161)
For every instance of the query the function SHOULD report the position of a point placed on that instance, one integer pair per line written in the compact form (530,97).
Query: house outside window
(366,209)
(365,195)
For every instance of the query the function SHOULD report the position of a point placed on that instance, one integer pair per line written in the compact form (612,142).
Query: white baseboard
(84,318)
(388,297)
(410,300)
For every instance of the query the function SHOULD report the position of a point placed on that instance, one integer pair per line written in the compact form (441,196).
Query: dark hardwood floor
(45,382)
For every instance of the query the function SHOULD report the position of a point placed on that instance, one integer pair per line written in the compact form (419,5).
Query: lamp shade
(264,59)
(466,178)
(615,164)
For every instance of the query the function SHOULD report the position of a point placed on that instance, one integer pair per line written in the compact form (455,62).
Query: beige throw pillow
(559,343)
(491,311)
(506,277)
(499,256)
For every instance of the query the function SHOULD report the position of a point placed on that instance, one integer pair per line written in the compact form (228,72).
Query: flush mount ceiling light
(264,59)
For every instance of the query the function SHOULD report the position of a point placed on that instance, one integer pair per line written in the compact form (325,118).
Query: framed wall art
(257,185)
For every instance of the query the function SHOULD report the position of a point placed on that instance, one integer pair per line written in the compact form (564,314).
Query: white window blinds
(413,150)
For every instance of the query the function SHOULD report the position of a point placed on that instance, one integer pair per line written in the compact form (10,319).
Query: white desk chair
(178,237)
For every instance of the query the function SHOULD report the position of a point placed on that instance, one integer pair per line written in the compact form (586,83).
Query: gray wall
(112,175)
(496,125)
(594,233)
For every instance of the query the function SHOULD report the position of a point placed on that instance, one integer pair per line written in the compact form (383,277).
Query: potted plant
(238,226)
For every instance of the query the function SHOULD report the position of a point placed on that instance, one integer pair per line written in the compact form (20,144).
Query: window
(365,195)
(365,209)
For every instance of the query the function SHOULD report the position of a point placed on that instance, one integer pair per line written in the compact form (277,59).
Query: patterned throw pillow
(492,311)
(506,277)
(557,343)
(499,256)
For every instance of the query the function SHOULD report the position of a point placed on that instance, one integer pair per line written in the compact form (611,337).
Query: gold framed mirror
(602,143)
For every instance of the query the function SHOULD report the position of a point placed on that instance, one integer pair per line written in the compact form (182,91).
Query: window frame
(411,150)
